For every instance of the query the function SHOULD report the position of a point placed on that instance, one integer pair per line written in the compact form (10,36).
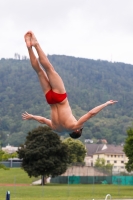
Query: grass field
(17,177)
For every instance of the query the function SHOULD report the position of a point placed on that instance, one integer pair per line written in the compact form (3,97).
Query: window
(115,161)
(122,161)
(115,167)
(108,161)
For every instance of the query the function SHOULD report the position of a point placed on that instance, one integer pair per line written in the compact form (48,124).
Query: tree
(2,138)
(76,150)
(128,149)
(43,153)
(3,156)
(17,56)
(101,164)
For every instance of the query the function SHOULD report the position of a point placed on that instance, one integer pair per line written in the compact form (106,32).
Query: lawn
(56,191)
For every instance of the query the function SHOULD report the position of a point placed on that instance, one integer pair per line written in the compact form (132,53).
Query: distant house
(111,153)
(11,162)
(91,149)
(88,141)
(9,149)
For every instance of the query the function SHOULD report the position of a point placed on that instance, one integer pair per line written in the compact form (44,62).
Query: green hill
(88,84)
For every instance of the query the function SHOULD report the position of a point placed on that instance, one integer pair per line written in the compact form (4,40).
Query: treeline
(88,84)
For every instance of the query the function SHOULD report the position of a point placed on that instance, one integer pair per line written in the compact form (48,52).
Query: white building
(112,154)
(91,150)
(9,149)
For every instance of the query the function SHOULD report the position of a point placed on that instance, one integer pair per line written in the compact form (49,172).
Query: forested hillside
(88,84)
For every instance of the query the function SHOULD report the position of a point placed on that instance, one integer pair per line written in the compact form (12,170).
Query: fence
(79,174)
(12,163)
(91,175)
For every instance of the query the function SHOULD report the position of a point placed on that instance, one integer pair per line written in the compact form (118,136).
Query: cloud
(97,29)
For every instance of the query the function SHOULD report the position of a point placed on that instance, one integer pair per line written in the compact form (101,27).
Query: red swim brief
(53,97)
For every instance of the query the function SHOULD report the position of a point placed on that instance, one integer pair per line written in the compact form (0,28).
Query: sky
(93,29)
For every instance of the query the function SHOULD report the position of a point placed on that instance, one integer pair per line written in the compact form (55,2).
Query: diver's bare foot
(30,39)
(34,41)
(27,38)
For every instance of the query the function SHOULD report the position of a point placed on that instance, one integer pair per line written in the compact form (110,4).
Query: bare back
(62,118)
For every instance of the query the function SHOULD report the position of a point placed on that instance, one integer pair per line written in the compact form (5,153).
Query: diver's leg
(44,82)
(54,79)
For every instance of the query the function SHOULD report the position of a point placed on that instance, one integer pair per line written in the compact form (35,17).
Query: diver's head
(76,134)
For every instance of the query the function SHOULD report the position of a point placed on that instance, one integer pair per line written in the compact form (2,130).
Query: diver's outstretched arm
(94,112)
(42,120)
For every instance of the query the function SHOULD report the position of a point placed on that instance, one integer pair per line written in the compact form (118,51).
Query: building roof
(111,149)
(103,148)
(93,148)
